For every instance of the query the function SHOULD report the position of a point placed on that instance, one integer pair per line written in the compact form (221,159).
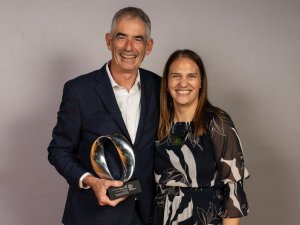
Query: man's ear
(108,40)
(149,46)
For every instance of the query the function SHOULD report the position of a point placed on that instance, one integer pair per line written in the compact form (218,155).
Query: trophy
(125,156)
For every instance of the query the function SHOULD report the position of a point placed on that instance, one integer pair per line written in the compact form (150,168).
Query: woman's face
(184,82)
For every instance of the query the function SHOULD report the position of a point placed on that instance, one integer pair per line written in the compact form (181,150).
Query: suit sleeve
(63,148)
(231,168)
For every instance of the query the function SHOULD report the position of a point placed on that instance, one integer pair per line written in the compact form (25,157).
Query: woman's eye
(192,76)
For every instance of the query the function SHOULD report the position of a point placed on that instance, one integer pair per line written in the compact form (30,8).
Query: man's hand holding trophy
(126,158)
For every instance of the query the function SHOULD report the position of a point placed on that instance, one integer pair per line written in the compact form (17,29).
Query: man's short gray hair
(134,13)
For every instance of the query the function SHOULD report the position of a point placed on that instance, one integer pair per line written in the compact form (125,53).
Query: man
(118,98)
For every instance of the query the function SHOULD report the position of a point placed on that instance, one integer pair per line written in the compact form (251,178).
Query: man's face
(128,44)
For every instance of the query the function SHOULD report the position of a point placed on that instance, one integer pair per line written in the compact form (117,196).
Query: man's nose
(128,45)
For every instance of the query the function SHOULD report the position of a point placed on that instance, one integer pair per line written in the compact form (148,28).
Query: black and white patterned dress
(200,181)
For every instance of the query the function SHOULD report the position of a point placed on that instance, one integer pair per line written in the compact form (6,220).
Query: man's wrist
(82,183)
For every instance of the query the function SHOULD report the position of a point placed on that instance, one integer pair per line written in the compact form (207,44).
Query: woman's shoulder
(218,120)
(217,114)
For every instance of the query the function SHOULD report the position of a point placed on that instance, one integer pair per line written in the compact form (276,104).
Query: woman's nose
(183,82)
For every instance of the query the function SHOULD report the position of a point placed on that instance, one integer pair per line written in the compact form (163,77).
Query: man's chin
(129,69)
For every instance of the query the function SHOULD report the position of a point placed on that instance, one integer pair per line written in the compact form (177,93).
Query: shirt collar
(113,82)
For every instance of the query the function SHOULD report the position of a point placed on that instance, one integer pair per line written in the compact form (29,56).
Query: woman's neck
(184,114)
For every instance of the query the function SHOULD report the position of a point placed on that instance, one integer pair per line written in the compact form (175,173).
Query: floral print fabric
(200,180)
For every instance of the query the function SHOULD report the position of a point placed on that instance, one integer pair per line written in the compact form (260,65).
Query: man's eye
(120,37)
(138,39)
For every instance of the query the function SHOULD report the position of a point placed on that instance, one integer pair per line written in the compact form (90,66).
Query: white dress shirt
(129,105)
(128,102)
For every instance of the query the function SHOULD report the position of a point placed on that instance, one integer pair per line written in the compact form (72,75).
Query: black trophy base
(129,188)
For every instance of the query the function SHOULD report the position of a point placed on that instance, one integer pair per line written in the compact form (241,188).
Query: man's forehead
(130,24)
(130,20)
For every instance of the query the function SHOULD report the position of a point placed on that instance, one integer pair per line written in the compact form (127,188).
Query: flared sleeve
(231,171)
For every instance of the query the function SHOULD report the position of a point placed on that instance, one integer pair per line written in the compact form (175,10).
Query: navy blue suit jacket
(89,110)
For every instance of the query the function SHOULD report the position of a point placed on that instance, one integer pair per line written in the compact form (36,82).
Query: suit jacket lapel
(107,96)
(145,92)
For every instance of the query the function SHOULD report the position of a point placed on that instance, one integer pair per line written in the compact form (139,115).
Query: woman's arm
(231,221)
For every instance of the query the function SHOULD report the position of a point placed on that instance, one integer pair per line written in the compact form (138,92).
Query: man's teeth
(129,56)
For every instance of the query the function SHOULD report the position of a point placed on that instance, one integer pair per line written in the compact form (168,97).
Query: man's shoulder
(147,74)
(86,78)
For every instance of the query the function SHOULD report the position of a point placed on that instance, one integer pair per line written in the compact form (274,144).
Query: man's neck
(125,80)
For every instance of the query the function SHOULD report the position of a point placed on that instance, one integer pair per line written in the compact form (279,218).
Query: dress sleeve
(231,170)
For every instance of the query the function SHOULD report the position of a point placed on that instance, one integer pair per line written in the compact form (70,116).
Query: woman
(199,165)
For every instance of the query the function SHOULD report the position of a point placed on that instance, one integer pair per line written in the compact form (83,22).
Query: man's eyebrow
(125,35)
(120,34)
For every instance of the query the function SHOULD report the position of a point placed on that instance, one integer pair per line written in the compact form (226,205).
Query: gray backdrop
(251,51)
